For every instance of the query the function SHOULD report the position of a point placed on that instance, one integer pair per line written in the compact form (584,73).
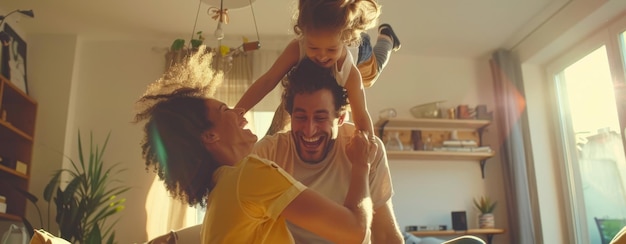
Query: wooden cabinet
(17,128)
(440,128)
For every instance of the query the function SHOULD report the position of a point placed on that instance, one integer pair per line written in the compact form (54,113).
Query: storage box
(3,204)
(21,167)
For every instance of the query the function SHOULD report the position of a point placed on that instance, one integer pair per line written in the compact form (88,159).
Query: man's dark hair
(308,77)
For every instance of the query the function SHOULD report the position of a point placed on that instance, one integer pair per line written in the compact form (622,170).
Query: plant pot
(486,221)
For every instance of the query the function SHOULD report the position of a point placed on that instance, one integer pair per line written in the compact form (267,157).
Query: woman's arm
(356,96)
(268,81)
(349,223)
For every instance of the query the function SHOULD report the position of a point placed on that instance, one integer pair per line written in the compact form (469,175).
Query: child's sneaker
(386,29)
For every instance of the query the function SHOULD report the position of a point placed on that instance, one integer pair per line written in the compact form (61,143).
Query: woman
(201,149)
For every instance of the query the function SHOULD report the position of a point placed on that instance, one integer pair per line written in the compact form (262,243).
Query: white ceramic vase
(486,221)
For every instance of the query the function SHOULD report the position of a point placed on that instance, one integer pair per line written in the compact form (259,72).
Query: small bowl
(426,110)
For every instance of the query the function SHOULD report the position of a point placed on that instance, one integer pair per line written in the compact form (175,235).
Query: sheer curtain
(165,213)
(263,60)
(517,166)
(237,79)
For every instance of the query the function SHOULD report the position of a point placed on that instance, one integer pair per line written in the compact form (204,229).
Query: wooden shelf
(457,232)
(471,126)
(4,216)
(439,155)
(431,124)
(13,172)
(487,232)
(15,130)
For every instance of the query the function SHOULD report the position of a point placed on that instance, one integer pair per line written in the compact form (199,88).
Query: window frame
(607,35)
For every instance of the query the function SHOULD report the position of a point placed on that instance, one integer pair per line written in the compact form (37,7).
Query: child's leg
(382,50)
(370,65)
(366,62)
(387,41)
(280,122)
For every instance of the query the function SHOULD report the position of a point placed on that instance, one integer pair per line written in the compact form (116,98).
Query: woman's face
(229,124)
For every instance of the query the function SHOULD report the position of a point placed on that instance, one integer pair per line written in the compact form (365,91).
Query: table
(487,232)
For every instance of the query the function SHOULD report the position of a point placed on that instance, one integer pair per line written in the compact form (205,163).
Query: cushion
(620,238)
(43,237)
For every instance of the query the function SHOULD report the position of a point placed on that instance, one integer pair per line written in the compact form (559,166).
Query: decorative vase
(394,143)
(486,221)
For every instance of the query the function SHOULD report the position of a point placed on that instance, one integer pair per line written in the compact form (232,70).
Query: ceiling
(452,28)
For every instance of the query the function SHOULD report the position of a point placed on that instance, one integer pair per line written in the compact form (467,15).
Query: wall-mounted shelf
(413,124)
(439,155)
(431,124)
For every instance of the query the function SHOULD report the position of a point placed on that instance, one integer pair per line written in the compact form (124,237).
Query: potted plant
(486,207)
(179,51)
(89,198)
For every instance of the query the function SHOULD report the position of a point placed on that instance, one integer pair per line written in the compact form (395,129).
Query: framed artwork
(13,58)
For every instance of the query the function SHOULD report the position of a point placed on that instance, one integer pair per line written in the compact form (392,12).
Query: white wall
(50,75)
(112,75)
(427,191)
(92,86)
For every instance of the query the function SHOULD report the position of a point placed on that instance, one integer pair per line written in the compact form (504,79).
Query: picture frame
(13,58)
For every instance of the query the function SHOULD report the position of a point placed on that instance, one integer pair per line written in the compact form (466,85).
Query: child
(327,30)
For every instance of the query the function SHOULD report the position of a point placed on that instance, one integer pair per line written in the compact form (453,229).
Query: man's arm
(384,226)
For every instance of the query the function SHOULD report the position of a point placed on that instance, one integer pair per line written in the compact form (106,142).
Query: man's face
(314,124)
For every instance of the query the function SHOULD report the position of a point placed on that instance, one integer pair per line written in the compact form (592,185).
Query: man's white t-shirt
(331,176)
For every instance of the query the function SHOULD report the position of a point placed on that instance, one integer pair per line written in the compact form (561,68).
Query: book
(460,143)
(463,149)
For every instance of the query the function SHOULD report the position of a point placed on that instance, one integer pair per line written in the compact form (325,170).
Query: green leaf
(195,43)
(81,158)
(94,236)
(71,189)
(485,205)
(178,44)
(51,186)
(111,238)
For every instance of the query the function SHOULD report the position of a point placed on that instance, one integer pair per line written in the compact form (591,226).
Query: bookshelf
(18,112)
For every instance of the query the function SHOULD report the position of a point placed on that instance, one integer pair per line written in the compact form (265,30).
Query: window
(591,123)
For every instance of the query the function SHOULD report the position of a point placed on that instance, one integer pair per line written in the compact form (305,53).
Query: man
(314,150)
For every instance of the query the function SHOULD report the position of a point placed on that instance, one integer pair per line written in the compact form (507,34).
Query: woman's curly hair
(175,113)
(350,17)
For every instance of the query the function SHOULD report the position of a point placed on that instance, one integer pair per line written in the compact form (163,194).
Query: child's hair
(351,17)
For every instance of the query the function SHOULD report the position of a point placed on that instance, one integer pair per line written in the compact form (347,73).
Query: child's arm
(356,96)
(268,81)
